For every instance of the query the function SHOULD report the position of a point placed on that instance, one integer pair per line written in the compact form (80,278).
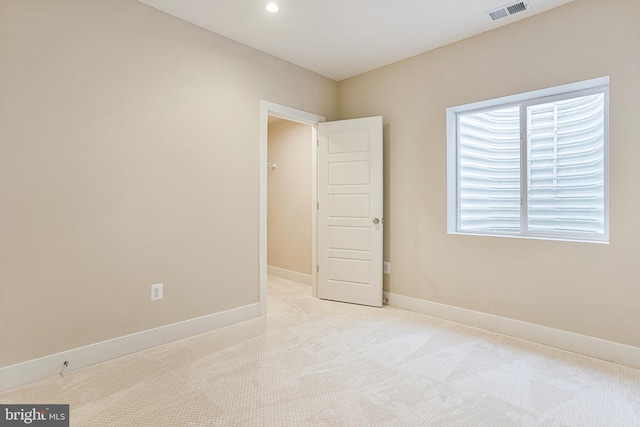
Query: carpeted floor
(322,363)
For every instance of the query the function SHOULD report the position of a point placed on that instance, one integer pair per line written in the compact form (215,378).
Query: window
(531,165)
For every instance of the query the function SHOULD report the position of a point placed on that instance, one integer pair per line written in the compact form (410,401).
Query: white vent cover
(505,11)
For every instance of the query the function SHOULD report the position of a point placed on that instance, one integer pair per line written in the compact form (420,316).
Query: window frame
(523,101)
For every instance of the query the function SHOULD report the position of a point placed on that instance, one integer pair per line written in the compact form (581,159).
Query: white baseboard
(289,275)
(576,343)
(33,370)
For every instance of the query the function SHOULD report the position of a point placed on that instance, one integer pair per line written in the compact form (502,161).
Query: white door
(350,222)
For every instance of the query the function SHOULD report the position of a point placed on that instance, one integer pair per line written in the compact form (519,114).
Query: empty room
(461,239)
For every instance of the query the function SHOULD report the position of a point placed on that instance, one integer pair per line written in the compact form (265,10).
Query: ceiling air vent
(505,11)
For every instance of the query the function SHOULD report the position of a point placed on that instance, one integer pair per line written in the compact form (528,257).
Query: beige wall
(129,151)
(289,197)
(591,289)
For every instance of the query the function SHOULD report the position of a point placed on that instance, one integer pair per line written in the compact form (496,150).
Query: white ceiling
(343,38)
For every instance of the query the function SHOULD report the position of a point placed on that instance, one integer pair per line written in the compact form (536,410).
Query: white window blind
(535,168)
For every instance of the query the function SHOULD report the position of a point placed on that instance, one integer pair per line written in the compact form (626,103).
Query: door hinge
(318,206)
(318,268)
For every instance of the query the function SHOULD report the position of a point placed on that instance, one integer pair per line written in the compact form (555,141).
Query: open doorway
(267,110)
(289,199)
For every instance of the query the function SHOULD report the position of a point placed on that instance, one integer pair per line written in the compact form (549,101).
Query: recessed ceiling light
(272,7)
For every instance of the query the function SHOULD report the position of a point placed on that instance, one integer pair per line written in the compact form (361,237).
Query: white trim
(314,211)
(289,275)
(37,369)
(569,341)
(541,93)
(270,109)
(452,171)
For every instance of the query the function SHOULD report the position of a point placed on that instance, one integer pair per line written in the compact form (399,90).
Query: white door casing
(350,222)
(271,109)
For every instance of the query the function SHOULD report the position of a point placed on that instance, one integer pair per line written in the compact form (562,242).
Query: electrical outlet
(387,267)
(156,292)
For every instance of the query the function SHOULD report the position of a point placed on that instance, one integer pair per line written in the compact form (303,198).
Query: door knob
(376,220)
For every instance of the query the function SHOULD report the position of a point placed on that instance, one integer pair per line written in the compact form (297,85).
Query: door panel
(350,199)
(349,206)
(349,141)
(350,270)
(350,173)
(350,238)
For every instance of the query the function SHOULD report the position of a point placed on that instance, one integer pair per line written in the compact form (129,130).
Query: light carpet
(321,363)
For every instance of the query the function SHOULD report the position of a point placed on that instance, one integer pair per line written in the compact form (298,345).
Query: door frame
(271,109)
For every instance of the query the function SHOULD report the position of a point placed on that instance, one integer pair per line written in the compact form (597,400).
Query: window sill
(587,239)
